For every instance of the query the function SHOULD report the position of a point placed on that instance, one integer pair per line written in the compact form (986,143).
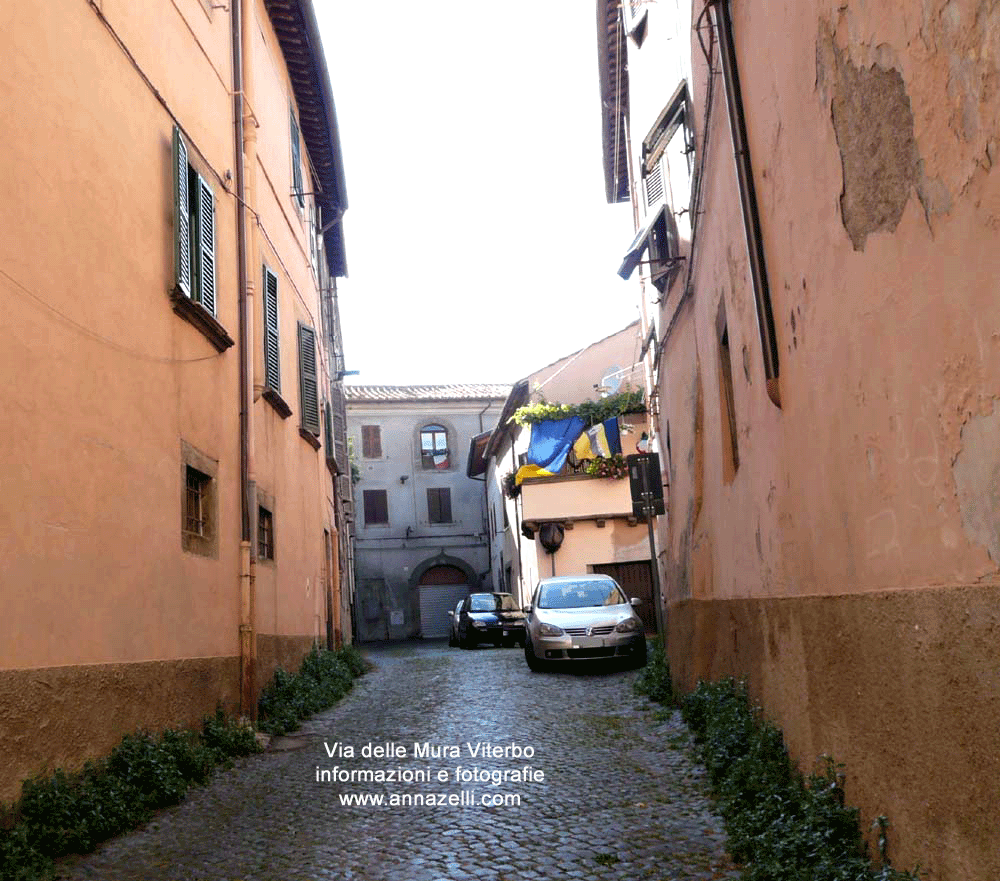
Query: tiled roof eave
(294,22)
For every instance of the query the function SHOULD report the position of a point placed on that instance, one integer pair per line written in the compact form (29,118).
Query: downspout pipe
(247,703)
(748,199)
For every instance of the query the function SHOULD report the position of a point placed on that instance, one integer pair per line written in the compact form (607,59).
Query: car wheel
(535,664)
(451,638)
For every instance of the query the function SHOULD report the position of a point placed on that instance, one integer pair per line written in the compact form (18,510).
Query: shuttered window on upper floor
(272,349)
(194,230)
(308,384)
(371,441)
(298,191)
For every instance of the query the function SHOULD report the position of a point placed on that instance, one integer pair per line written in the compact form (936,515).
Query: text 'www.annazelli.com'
(467,798)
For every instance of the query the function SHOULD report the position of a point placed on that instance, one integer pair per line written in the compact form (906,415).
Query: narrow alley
(619,795)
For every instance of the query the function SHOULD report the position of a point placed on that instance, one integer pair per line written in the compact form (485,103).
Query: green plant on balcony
(591,412)
(613,467)
(510,487)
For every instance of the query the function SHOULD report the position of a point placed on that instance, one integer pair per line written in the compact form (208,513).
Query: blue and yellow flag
(549,446)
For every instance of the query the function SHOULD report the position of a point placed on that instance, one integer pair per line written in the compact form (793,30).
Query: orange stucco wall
(848,567)
(104,382)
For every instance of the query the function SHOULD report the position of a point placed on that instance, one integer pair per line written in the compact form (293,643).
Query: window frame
(370,511)
(195,285)
(434,429)
(309,404)
(663,240)
(441,506)
(366,435)
(271,341)
(193,463)
(634,19)
(298,178)
(265,533)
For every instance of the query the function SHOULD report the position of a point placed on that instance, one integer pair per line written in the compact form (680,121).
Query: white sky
(479,243)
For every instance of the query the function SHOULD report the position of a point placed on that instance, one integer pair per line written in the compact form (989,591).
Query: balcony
(574,497)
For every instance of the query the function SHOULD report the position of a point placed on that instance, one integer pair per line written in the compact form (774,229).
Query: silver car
(582,617)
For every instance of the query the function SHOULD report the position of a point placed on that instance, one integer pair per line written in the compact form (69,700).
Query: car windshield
(577,594)
(491,602)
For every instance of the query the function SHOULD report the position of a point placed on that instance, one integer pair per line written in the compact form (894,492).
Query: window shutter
(205,243)
(376,503)
(296,163)
(371,441)
(308,397)
(654,184)
(182,229)
(272,354)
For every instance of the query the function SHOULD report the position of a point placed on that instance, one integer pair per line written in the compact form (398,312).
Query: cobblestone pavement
(621,797)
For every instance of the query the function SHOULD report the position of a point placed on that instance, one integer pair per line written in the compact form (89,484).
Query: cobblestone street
(620,799)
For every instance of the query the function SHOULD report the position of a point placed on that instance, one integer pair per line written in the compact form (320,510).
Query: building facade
(822,341)
(591,518)
(421,530)
(171,530)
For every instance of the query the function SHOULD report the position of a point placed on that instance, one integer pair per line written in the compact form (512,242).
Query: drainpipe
(748,199)
(244,136)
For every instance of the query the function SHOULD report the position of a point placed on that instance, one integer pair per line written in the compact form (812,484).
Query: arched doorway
(441,586)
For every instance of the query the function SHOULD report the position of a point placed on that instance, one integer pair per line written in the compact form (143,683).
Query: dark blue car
(489,617)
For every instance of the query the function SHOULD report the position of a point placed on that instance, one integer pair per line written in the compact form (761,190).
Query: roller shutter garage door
(436,600)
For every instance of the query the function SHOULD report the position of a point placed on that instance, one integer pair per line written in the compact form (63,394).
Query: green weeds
(782,826)
(72,812)
(654,679)
(323,679)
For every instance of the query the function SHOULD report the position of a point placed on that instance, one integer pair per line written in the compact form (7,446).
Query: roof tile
(458,392)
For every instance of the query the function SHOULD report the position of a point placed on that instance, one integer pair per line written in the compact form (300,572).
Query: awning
(639,244)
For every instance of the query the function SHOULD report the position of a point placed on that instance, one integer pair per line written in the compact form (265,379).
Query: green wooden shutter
(205,244)
(272,356)
(297,163)
(308,397)
(182,227)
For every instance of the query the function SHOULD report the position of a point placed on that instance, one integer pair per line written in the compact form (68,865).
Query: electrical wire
(94,335)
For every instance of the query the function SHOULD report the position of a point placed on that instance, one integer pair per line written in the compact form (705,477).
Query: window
(196,506)
(194,247)
(667,161)
(194,202)
(439,505)
(297,189)
(308,387)
(199,523)
(371,441)
(272,347)
(634,14)
(434,447)
(376,504)
(265,534)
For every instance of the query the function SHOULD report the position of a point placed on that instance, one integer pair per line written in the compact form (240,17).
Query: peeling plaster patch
(977,479)
(873,122)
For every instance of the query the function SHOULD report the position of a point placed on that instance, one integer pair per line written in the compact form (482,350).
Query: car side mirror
(526,609)
(635,601)
(451,614)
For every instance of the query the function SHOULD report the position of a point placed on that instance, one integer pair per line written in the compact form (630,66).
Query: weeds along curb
(323,679)
(781,825)
(72,812)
